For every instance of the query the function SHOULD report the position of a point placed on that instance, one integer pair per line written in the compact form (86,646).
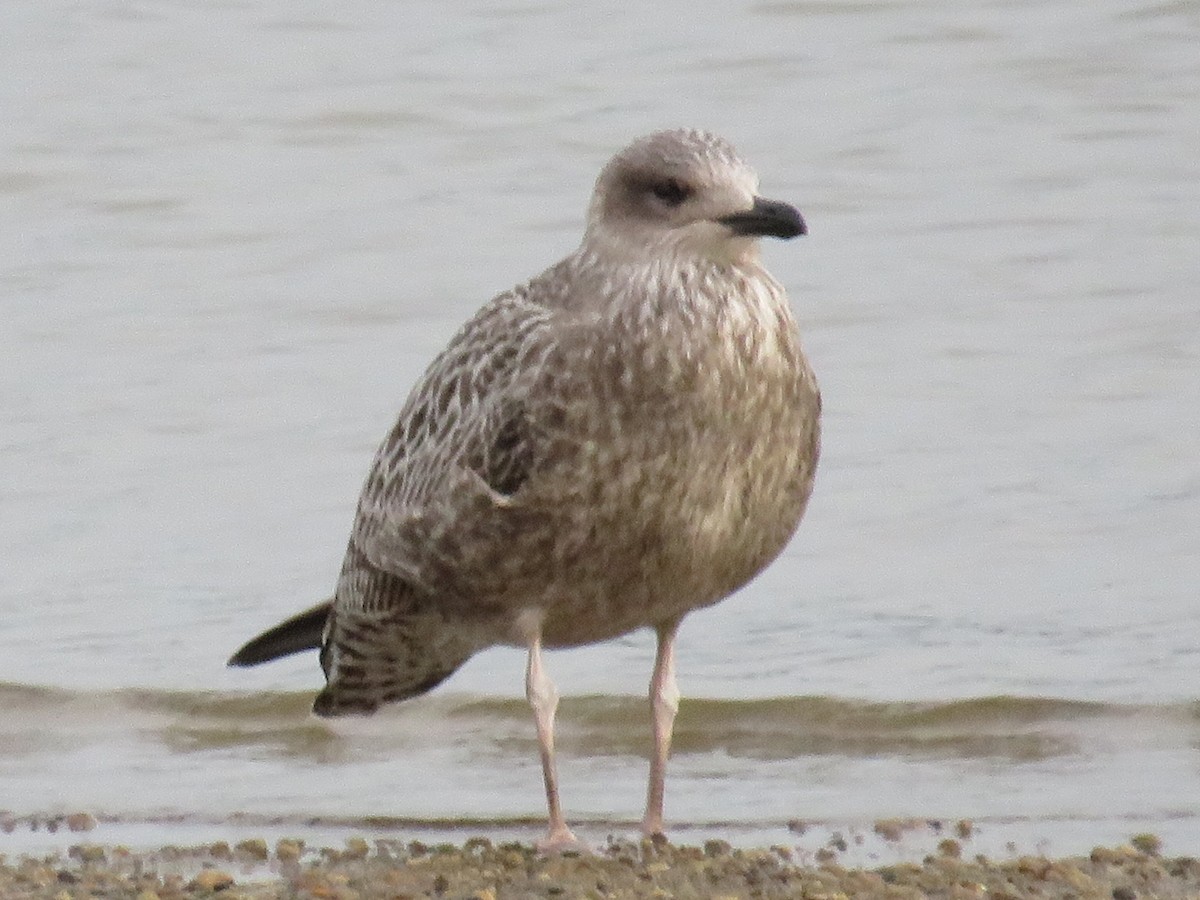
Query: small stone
(967,891)
(253,847)
(88,853)
(1069,874)
(1150,844)
(1103,856)
(950,847)
(1035,866)
(38,875)
(889,829)
(81,821)
(332,886)
(288,849)
(211,880)
(477,845)
(715,847)
(863,884)
(1125,853)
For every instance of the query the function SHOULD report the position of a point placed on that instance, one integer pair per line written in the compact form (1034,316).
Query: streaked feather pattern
(626,437)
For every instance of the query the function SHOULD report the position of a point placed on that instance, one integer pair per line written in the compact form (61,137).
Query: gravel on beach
(481,870)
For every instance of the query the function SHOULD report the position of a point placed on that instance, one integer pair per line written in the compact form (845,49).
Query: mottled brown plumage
(627,437)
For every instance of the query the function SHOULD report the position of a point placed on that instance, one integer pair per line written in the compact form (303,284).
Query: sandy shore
(481,870)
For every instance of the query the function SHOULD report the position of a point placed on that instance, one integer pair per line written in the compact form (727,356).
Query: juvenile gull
(627,437)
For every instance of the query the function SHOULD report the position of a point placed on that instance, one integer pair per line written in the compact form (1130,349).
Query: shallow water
(1030,774)
(238,232)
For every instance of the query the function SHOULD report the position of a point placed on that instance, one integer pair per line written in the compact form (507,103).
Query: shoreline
(479,869)
(857,841)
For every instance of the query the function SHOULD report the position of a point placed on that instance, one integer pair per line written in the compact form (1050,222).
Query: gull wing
(445,488)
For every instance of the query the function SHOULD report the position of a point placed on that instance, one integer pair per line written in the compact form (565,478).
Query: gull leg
(664,703)
(543,697)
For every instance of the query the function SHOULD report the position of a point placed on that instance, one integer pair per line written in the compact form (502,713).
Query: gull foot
(560,840)
(654,830)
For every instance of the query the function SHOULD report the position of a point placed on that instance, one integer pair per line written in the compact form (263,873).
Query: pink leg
(664,703)
(543,697)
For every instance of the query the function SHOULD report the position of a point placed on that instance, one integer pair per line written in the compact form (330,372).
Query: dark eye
(670,191)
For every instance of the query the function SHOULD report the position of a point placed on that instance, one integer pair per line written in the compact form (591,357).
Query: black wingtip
(297,634)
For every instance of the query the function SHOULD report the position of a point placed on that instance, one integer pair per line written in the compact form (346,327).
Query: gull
(629,436)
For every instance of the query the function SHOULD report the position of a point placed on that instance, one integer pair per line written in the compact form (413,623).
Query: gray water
(236,232)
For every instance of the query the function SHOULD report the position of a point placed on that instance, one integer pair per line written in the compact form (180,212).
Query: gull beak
(766,218)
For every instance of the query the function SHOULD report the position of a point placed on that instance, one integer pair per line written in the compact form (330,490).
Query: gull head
(685,194)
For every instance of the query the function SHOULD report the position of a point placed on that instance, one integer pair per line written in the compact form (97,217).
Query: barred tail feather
(355,694)
(370,661)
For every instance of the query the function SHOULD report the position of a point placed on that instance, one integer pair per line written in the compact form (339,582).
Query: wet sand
(478,869)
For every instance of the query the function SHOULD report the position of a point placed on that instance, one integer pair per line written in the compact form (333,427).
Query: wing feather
(445,483)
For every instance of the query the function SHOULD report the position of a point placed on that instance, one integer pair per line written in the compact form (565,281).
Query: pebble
(950,847)
(88,853)
(255,848)
(1150,844)
(890,829)
(211,880)
(81,821)
(288,849)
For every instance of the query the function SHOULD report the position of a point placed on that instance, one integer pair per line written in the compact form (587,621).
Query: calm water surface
(236,233)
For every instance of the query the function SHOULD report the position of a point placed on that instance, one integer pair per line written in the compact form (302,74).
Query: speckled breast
(695,440)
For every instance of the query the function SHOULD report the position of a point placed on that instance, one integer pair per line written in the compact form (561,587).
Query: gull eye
(670,191)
